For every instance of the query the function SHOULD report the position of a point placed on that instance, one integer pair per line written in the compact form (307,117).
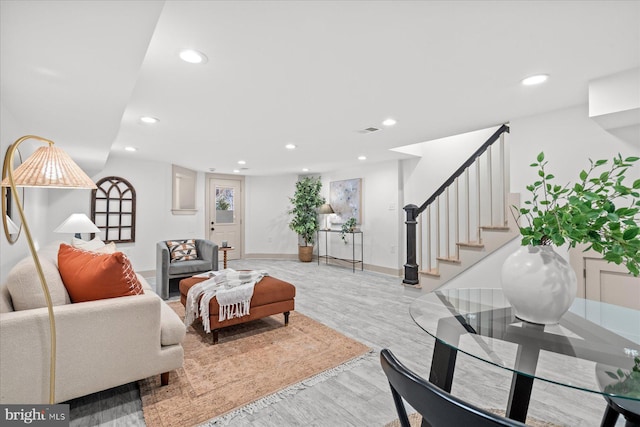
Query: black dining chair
(630,410)
(437,407)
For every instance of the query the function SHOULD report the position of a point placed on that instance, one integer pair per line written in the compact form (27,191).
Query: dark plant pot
(305,253)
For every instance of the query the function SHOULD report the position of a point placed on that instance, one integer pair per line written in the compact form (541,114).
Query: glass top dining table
(594,337)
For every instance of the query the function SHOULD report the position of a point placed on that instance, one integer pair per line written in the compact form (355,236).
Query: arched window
(113,209)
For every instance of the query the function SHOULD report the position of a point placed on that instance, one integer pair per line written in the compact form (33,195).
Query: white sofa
(100,344)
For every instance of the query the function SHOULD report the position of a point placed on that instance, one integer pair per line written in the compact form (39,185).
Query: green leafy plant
(306,200)
(586,211)
(347,227)
(222,204)
(628,383)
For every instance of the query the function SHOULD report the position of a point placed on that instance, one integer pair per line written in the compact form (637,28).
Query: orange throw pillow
(90,276)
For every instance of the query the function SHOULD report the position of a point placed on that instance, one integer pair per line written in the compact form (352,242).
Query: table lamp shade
(77,223)
(326,209)
(49,166)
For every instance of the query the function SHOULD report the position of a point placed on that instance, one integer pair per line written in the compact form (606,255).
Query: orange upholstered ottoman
(270,296)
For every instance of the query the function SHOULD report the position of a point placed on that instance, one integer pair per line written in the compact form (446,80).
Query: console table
(353,261)
(225,249)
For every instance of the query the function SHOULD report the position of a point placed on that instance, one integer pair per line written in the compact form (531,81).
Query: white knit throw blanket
(232,288)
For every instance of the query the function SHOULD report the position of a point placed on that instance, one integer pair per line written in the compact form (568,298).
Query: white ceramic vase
(539,284)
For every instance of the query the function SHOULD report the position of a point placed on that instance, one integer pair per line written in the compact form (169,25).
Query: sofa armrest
(208,250)
(162,270)
(100,344)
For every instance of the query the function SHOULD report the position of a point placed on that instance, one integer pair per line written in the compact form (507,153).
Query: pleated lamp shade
(49,166)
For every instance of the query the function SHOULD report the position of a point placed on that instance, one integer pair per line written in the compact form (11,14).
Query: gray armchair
(165,270)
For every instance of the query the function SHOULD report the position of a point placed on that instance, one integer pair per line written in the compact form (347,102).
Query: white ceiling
(311,73)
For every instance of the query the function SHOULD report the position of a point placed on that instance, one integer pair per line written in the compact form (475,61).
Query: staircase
(466,219)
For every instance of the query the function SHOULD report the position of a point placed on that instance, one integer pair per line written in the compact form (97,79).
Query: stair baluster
(427,238)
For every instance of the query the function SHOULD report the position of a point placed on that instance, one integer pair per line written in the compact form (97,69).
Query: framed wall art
(346,200)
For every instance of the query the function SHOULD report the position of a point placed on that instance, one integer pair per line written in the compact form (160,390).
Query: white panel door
(599,280)
(225,219)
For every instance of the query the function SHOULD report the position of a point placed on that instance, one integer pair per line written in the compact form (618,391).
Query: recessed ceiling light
(535,80)
(242,162)
(305,169)
(389,122)
(290,146)
(236,171)
(131,148)
(149,120)
(362,157)
(193,56)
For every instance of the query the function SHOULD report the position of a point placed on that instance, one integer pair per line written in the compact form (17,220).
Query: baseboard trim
(272,256)
(397,272)
(368,267)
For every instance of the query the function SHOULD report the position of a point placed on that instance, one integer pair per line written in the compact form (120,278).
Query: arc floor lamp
(48,166)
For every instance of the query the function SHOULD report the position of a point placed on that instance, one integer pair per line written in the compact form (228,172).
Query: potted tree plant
(600,210)
(306,200)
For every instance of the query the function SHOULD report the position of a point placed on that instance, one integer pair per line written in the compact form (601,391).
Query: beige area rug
(415,420)
(257,362)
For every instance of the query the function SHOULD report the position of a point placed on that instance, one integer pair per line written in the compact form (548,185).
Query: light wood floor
(374,309)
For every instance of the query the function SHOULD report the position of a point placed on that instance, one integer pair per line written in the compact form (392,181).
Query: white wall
(266,219)
(568,138)
(380,213)
(615,93)
(440,159)
(267,222)
(154,220)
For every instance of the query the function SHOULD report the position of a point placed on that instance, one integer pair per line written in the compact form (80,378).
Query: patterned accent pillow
(90,276)
(182,250)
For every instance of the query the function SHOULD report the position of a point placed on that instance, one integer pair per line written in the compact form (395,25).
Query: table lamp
(48,166)
(77,223)
(326,210)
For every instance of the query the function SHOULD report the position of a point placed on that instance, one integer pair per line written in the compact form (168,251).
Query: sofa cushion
(188,267)
(25,288)
(90,276)
(95,245)
(91,245)
(108,248)
(182,250)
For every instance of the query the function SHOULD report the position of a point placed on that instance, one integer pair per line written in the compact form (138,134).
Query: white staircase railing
(475,199)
